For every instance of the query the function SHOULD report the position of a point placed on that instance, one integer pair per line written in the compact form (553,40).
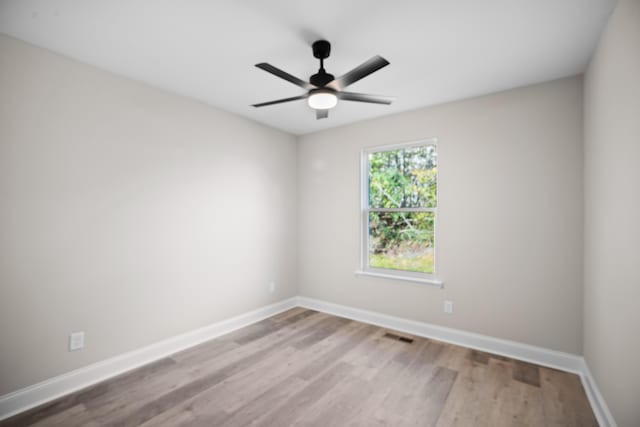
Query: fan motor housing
(321,78)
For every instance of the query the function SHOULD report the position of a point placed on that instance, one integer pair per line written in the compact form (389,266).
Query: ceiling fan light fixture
(323,90)
(322,99)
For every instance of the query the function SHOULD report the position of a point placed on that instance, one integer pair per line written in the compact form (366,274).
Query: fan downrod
(321,50)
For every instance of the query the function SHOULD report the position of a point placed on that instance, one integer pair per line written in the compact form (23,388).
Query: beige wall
(128,213)
(509,224)
(612,214)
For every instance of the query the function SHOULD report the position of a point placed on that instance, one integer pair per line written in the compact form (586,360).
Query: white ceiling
(205,49)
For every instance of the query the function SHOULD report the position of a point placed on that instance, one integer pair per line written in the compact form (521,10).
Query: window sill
(431,282)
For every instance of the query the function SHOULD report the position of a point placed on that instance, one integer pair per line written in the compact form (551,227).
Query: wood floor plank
(140,398)
(526,373)
(374,347)
(294,315)
(121,382)
(455,358)
(564,400)
(282,369)
(282,379)
(365,386)
(320,333)
(303,367)
(432,398)
(201,383)
(61,418)
(288,412)
(246,384)
(463,407)
(408,396)
(206,351)
(265,403)
(498,377)
(520,405)
(249,383)
(336,354)
(480,356)
(383,383)
(343,400)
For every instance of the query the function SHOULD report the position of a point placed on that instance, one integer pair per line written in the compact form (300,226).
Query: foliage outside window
(399,209)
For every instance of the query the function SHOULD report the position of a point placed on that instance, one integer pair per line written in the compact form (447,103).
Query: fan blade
(322,114)
(284,75)
(280,101)
(363,97)
(361,71)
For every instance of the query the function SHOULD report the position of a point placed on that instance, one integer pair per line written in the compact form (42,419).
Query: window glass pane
(402,240)
(404,178)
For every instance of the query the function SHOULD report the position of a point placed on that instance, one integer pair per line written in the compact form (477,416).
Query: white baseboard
(598,404)
(528,353)
(37,394)
(538,355)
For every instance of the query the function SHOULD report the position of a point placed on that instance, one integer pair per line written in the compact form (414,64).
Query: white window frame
(365,268)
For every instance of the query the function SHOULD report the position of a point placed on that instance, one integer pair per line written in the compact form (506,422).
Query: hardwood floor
(304,368)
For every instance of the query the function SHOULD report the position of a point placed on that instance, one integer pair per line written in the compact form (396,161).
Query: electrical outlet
(448,307)
(76,341)
(272,287)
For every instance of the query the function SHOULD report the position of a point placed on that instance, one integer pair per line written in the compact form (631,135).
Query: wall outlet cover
(448,307)
(76,341)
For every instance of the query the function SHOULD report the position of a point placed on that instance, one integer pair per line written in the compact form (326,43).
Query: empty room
(349,213)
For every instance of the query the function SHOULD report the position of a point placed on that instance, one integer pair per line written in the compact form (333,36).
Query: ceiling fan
(323,89)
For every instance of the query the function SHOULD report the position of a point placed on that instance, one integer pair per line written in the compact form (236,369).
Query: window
(399,210)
